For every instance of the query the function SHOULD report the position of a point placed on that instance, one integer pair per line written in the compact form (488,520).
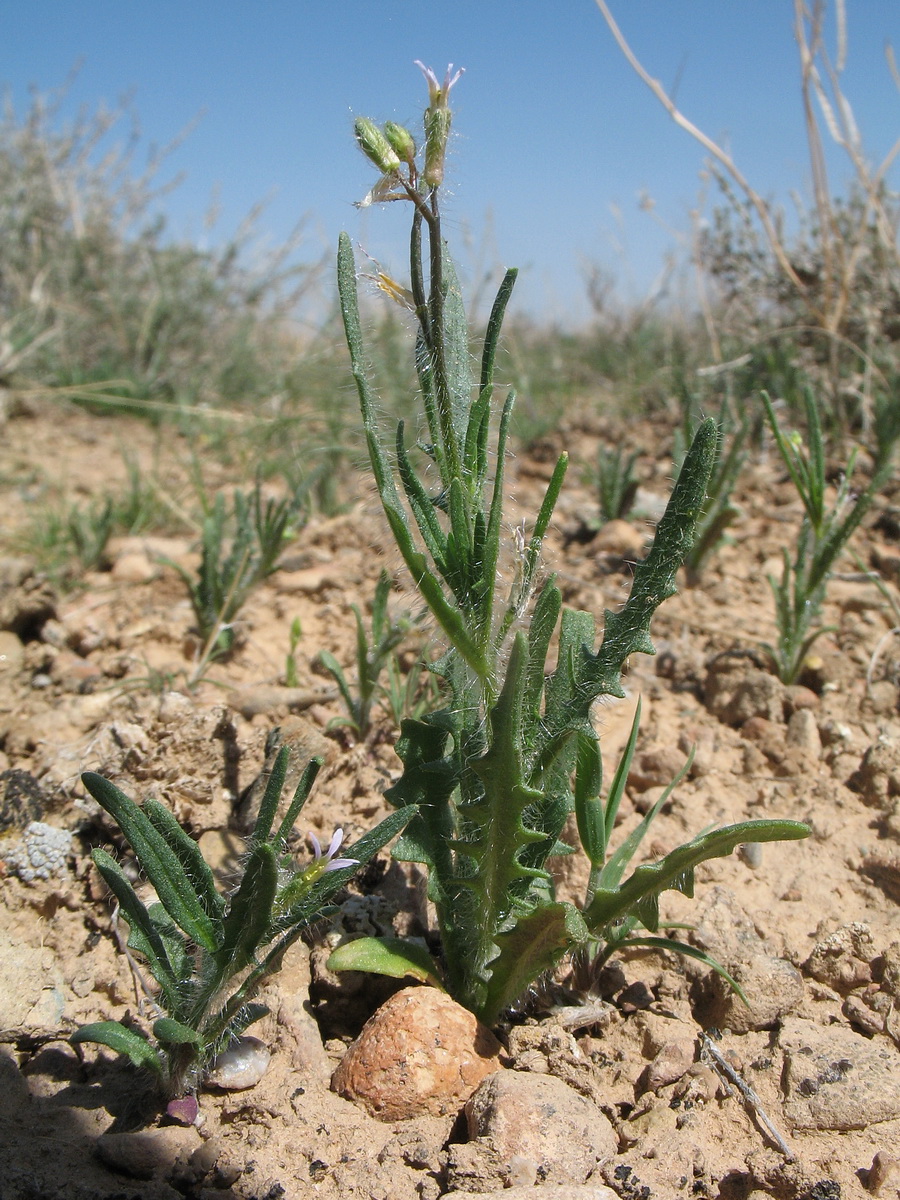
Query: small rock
(420,1053)
(12,654)
(737,693)
(884,1175)
(239,1067)
(861,1016)
(26,601)
(541,1119)
(22,799)
(799,697)
(673,1060)
(803,734)
(654,1124)
(134,567)
(890,978)
(656,767)
(773,986)
(878,777)
(621,539)
(74,673)
(307,582)
(884,870)
(842,959)
(836,1079)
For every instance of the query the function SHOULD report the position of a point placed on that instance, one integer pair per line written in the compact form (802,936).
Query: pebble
(539,1119)
(884,1175)
(309,581)
(621,539)
(134,567)
(837,1079)
(239,1067)
(12,654)
(656,767)
(420,1053)
(670,1064)
(773,986)
(842,959)
(877,778)
(803,734)
(736,695)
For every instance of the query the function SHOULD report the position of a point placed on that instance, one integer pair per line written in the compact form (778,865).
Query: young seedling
(291,678)
(617,482)
(495,773)
(371,659)
(230,571)
(826,530)
(209,953)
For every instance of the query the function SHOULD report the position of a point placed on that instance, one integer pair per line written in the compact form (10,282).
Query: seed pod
(375,145)
(437,131)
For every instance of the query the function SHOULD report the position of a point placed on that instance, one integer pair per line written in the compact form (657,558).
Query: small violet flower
(437,93)
(331,863)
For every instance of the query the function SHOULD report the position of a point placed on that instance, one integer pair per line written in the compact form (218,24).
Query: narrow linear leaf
(163,867)
(189,855)
(301,795)
(174,1033)
(249,914)
(139,919)
(269,803)
(494,325)
(116,1036)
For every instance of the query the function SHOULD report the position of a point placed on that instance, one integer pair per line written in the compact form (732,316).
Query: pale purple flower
(437,92)
(332,863)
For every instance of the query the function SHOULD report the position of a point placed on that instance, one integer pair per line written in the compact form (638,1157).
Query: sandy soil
(807,1103)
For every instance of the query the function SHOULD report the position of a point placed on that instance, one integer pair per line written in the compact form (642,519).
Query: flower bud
(375,145)
(401,141)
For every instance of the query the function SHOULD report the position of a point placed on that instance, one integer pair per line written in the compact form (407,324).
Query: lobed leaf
(639,894)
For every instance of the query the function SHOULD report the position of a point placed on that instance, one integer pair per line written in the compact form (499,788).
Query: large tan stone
(421,1053)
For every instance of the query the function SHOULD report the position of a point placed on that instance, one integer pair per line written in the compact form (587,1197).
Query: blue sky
(556,138)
